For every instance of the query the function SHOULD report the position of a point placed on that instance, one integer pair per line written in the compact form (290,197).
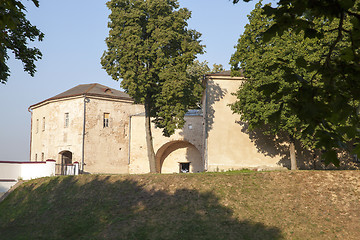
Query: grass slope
(235,205)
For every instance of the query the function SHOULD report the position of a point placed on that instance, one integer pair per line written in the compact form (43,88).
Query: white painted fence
(67,169)
(11,172)
(72,169)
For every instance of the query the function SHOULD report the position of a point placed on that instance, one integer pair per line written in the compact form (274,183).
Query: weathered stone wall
(185,145)
(56,138)
(228,144)
(107,148)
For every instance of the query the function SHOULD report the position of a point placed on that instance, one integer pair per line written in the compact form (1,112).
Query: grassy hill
(234,205)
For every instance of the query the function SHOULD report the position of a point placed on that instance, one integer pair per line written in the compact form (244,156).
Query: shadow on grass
(108,208)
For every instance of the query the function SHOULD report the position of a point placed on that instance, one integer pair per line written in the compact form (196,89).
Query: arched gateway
(178,156)
(65,161)
(66,157)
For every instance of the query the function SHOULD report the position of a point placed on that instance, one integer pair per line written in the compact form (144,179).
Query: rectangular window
(37,125)
(106,120)
(43,124)
(35,157)
(184,167)
(42,156)
(66,122)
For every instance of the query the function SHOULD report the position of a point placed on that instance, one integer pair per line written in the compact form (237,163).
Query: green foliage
(199,69)
(323,70)
(217,68)
(15,32)
(265,98)
(149,50)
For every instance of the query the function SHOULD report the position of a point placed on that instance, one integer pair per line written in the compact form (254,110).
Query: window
(37,125)
(42,156)
(106,120)
(35,157)
(66,121)
(184,167)
(43,126)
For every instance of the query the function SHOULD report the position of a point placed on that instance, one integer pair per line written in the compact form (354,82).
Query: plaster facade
(105,147)
(227,143)
(105,130)
(11,172)
(184,146)
(49,136)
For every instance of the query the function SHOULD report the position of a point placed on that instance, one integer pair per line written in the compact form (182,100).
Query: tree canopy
(328,101)
(261,101)
(149,50)
(15,33)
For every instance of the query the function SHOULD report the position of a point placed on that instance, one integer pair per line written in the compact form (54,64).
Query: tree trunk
(292,154)
(314,159)
(149,140)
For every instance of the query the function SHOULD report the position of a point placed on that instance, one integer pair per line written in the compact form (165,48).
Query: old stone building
(104,131)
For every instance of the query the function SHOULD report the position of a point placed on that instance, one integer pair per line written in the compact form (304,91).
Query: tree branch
(338,38)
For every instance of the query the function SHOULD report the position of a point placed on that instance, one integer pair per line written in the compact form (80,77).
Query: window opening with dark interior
(43,126)
(106,120)
(66,158)
(184,167)
(66,123)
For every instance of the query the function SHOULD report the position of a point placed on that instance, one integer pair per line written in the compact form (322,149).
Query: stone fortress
(104,131)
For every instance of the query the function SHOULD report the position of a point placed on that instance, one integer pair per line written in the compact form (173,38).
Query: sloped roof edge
(226,73)
(93,89)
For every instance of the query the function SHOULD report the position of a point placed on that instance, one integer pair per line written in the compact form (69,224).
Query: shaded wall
(227,145)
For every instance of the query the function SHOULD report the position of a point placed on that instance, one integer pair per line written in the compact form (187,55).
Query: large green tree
(331,105)
(276,71)
(199,69)
(15,33)
(149,50)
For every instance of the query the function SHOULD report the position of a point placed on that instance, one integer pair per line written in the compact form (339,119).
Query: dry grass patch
(255,205)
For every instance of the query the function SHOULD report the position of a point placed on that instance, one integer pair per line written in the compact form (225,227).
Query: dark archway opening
(66,157)
(65,161)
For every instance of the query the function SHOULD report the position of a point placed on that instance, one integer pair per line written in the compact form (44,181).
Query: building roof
(190,112)
(93,89)
(223,73)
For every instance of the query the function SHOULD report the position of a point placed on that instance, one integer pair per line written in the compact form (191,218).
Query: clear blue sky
(75,31)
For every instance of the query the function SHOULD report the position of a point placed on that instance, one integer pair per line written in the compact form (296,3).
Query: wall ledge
(8,180)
